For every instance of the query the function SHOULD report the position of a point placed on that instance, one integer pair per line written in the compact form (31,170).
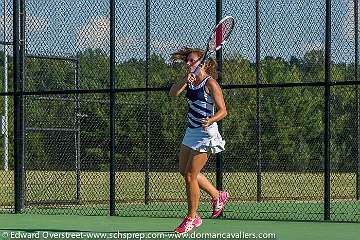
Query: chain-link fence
(88,126)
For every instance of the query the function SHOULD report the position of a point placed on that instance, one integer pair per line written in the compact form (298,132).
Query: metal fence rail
(91,129)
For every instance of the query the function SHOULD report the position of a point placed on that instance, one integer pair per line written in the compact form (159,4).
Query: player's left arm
(218,97)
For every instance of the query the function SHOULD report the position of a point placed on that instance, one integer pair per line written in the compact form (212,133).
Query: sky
(288,27)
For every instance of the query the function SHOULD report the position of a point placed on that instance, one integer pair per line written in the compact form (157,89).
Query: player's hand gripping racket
(217,38)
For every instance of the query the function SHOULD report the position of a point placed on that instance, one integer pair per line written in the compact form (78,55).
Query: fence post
(112,108)
(78,130)
(147,127)
(356,69)
(18,62)
(258,102)
(4,120)
(219,59)
(327,162)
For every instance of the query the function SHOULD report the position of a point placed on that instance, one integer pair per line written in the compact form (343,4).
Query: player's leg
(204,183)
(196,162)
(207,186)
(189,222)
(218,198)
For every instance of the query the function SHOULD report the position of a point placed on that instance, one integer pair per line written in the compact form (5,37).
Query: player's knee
(190,176)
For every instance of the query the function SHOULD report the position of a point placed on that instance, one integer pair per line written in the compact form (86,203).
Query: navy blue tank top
(201,104)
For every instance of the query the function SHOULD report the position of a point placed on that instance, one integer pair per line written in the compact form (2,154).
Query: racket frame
(207,52)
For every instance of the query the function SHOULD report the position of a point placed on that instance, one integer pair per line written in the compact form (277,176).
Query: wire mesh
(344,154)
(67,155)
(6,153)
(7,163)
(70,29)
(274,159)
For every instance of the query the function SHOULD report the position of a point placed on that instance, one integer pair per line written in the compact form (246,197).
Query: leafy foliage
(291,120)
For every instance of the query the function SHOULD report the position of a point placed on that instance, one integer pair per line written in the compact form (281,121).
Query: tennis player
(202,136)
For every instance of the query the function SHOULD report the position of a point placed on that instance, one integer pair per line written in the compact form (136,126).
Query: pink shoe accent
(189,224)
(197,221)
(219,204)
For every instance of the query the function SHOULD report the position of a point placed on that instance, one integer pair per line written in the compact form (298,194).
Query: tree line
(150,125)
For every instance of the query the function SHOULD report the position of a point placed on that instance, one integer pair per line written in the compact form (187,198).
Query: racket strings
(220,34)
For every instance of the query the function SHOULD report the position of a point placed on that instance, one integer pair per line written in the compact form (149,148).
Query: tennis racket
(217,38)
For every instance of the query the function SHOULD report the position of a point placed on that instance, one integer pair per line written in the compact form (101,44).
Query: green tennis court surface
(90,227)
(279,211)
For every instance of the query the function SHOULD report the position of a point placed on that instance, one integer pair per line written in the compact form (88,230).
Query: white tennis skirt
(201,140)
